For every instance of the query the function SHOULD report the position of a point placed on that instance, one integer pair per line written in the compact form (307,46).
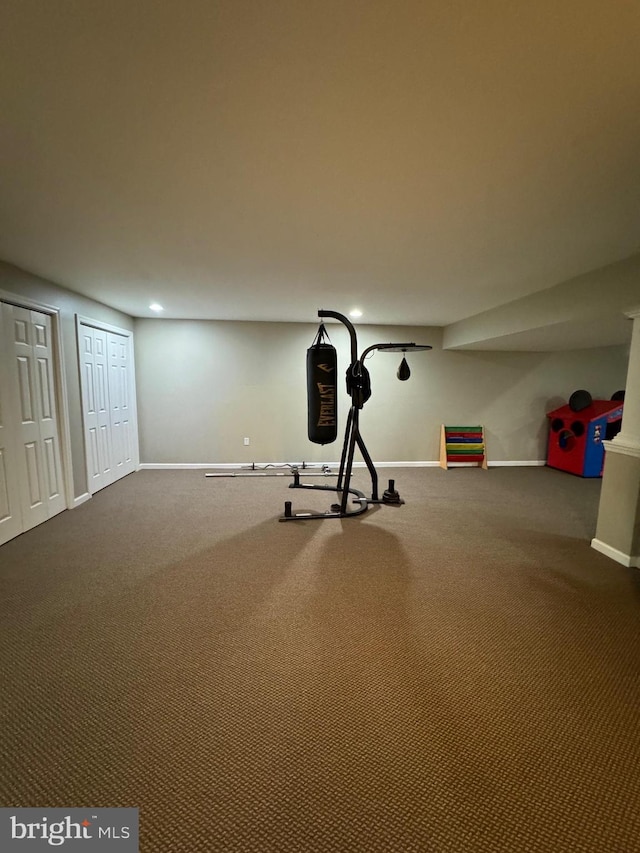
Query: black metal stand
(358,387)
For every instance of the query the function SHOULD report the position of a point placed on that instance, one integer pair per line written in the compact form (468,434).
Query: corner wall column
(618,527)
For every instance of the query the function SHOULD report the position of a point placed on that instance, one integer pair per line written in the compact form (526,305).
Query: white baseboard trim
(187,466)
(614,554)
(524,463)
(184,466)
(81,499)
(423,464)
(169,466)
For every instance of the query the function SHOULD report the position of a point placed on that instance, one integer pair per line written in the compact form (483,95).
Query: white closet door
(95,404)
(120,370)
(46,411)
(10,500)
(110,430)
(31,389)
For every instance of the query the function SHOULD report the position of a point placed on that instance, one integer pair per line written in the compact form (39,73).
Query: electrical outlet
(246,441)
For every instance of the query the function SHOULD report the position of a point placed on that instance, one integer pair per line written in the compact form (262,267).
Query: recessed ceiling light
(156,307)
(355,313)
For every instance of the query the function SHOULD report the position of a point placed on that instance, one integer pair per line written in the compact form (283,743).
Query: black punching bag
(321,390)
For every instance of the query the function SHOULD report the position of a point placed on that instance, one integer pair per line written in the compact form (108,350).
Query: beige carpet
(459,675)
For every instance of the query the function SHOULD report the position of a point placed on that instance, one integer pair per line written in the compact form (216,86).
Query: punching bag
(322,398)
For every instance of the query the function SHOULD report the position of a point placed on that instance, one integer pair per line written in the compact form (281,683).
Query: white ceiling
(260,159)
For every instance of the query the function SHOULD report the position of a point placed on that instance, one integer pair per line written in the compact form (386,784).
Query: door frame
(59,382)
(83,320)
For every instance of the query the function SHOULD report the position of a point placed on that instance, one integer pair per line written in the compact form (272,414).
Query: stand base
(336,510)
(339,510)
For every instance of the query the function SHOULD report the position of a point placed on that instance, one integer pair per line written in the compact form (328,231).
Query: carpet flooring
(460,674)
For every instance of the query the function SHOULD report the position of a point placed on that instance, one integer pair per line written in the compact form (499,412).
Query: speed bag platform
(322,399)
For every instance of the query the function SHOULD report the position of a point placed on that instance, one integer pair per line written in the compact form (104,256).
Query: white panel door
(42,359)
(120,376)
(95,407)
(10,500)
(110,430)
(33,407)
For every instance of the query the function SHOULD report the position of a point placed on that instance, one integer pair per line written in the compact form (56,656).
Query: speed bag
(321,393)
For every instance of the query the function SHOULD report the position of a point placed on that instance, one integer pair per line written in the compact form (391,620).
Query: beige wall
(204,385)
(22,284)
(599,297)
(619,515)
